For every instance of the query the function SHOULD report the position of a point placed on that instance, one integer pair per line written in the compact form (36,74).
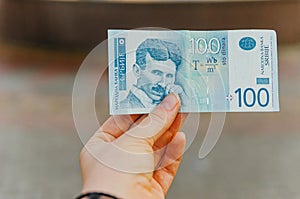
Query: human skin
(162,129)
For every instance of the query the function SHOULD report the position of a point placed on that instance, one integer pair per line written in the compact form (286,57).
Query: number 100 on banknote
(211,71)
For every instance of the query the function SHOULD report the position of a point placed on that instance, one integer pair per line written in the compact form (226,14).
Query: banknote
(211,71)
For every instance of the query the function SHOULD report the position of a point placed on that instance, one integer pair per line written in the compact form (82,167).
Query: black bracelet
(96,195)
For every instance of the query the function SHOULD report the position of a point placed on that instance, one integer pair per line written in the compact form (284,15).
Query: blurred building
(85,22)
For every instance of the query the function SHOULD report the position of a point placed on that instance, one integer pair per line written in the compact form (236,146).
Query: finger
(174,150)
(169,134)
(157,122)
(116,125)
(166,138)
(138,121)
(172,159)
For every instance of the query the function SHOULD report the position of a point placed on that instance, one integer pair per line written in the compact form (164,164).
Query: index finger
(116,125)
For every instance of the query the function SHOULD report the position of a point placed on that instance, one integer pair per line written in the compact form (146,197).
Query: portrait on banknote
(155,70)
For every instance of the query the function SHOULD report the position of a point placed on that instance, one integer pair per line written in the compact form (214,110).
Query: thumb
(157,122)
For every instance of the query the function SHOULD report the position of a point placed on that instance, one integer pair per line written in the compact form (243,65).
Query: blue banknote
(211,71)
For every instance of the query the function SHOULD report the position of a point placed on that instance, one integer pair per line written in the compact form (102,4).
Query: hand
(159,128)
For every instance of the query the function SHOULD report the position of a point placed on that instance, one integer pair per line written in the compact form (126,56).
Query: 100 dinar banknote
(211,71)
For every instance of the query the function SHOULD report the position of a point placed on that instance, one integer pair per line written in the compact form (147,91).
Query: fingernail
(170,101)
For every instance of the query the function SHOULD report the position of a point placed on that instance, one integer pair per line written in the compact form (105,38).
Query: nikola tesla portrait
(155,70)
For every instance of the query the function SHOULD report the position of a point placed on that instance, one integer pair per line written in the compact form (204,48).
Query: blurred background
(42,45)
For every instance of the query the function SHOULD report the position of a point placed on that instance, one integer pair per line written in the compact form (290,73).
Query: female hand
(121,138)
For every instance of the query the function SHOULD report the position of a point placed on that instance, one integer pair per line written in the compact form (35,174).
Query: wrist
(96,195)
(93,188)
